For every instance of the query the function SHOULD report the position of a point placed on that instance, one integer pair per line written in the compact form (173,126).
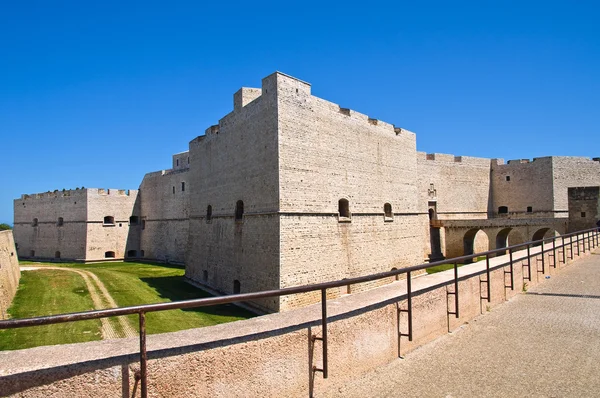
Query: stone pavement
(545,343)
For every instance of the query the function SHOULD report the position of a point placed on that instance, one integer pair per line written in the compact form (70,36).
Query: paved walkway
(545,343)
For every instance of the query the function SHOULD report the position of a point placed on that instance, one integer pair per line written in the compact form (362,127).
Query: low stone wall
(9,271)
(273,355)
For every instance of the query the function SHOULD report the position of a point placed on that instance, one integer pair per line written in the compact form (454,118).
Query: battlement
(448,158)
(244,96)
(77,192)
(56,193)
(545,161)
(111,191)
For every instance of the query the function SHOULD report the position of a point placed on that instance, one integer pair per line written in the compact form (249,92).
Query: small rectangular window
(507,178)
(183,187)
(583,214)
(529,209)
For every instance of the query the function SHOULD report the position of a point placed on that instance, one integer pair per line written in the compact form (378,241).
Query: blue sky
(96,94)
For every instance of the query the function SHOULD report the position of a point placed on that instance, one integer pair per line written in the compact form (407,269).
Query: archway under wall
(544,233)
(502,238)
(475,241)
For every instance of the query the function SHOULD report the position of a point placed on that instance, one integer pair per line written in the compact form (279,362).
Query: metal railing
(580,239)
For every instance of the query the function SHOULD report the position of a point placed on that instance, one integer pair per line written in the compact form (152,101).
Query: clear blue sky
(96,94)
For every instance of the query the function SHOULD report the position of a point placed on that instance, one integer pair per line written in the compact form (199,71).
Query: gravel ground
(545,343)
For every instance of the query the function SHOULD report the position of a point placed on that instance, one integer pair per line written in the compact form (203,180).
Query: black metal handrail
(591,236)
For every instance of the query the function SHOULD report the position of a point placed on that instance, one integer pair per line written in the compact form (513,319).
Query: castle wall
(48,238)
(521,184)
(584,208)
(9,271)
(326,154)
(181,161)
(459,185)
(237,161)
(115,237)
(165,215)
(570,171)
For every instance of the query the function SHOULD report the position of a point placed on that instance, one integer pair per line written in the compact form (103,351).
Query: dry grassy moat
(51,288)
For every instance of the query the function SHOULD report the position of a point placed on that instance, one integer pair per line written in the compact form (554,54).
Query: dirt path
(101,299)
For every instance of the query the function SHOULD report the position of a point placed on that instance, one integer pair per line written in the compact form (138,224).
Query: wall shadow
(174,288)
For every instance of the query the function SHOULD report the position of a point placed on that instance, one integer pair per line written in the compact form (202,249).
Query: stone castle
(291,189)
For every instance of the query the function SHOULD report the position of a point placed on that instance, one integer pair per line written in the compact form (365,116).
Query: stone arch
(502,238)
(543,233)
(474,241)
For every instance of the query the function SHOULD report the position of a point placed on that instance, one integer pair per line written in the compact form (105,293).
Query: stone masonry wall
(164,198)
(572,172)
(521,184)
(328,153)
(112,237)
(9,271)
(49,238)
(181,161)
(237,161)
(459,185)
(584,208)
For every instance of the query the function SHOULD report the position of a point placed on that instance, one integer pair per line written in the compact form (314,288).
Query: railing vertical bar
(487,271)
(577,245)
(324,328)
(554,252)
(409,310)
(543,260)
(529,263)
(572,254)
(512,278)
(564,250)
(456,289)
(143,356)
(583,241)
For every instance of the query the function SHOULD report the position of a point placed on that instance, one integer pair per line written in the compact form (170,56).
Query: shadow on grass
(164,265)
(174,288)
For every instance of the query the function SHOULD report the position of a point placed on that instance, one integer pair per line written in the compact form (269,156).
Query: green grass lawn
(140,283)
(128,283)
(50,292)
(445,267)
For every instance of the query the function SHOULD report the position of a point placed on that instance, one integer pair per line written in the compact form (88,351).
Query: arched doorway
(543,233)
(502,239)
(475,241)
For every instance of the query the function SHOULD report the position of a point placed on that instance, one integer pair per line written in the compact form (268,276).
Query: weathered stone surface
(290,158)
(9,271)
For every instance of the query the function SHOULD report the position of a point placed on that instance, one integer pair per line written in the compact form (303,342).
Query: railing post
(324,329)
(571,246)
(512,279)
(564,250)
(409,310)
(456,288)
(529,263)
(583,240)
(143,357)
(543,259)
(577,244)
(554,252)
(487,271)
